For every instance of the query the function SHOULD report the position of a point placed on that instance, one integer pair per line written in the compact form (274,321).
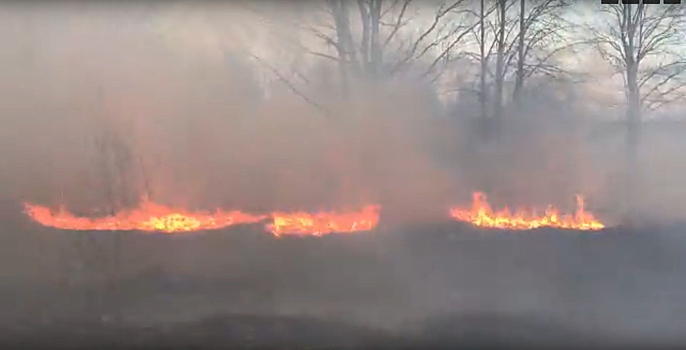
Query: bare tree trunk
(633,109)
(344,45)
(499,74)
(633,112)
(370,45)
(483,94)
(519,83)
(633,120)
(633,94)
(375,42)
(364,44)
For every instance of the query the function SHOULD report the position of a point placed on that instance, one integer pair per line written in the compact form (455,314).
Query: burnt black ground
(424,286)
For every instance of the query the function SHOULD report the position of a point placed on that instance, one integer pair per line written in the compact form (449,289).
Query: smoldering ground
(101,107)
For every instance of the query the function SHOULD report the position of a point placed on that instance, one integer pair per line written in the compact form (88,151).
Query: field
(412,286)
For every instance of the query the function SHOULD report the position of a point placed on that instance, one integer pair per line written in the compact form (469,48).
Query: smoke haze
(212,106)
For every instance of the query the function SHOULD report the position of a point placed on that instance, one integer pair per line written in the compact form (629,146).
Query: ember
(306,224)
(481,214)
(147,217)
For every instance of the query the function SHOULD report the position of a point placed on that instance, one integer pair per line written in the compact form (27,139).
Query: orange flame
(147,217)
(481,214)
(306,224)
(155,217)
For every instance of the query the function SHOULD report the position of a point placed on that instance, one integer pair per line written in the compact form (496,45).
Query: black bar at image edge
(646,2)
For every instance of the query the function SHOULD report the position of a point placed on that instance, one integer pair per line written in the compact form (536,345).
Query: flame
(481,214)
(155,217)
(147,217)
(318,224)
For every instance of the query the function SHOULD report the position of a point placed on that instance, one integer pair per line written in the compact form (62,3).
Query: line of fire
(154,217)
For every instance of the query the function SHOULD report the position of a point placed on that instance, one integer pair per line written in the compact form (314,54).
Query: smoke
(203,124)
(105,104)
(199,131)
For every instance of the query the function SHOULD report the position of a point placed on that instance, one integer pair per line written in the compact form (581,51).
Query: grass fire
(321,223)
(147,217)
(482,215)
(151,217)
(155,217)
(342,174)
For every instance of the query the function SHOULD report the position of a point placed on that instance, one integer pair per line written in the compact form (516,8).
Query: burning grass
(481,215)
(321,223)
(151,217)
(148,217)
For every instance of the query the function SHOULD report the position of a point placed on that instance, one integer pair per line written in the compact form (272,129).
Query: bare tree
(540,38)
(501,31)
(499,65)
(376,40)
(643,43)
(519,82)
(383,24)
(527,42)
(483,60)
